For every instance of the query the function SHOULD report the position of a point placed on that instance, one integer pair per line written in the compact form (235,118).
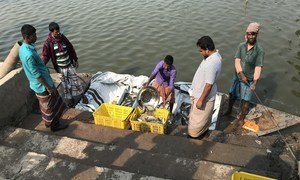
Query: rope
(273,120)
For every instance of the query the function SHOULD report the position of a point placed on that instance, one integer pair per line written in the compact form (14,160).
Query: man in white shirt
(204,88)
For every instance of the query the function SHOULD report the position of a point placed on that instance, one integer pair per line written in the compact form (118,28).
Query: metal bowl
(148,98)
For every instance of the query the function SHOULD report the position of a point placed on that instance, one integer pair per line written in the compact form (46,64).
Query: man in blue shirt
(38,75)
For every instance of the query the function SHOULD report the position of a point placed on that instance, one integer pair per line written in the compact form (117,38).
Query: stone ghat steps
(251,158)
(150,163)
(79,123)
(264,142)
(15,163)
(113,157)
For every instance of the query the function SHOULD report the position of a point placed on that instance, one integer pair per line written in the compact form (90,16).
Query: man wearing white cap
(248,64)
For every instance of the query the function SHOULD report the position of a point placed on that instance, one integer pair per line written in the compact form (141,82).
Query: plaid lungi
(162,90)
(240,90)
(72,86)
(52,106)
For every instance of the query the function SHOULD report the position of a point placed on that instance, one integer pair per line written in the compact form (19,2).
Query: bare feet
(241,120)
(241,123)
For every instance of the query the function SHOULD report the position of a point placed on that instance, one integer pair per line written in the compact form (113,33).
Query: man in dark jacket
(64,59)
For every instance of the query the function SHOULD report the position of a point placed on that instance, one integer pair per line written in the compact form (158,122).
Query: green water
(132,36)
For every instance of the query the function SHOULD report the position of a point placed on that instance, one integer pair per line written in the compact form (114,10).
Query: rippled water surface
(131,36)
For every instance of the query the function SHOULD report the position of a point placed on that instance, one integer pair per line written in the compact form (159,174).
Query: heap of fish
(148,116)
(181,116)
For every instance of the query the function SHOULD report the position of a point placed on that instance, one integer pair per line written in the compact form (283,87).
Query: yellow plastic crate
(248,176)
(149,126)
(112,115)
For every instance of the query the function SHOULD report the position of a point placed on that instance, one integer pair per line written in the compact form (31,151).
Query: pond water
(131,36)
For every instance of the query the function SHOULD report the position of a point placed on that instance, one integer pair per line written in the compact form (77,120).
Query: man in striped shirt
(64,59)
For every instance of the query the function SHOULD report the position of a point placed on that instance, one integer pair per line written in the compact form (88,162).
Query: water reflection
(296,93)
(294,79)
(297,32)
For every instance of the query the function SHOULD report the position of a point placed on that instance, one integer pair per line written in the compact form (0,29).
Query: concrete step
(240,156)
(117,157)
(33,121)
(16,163)
(264,142)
